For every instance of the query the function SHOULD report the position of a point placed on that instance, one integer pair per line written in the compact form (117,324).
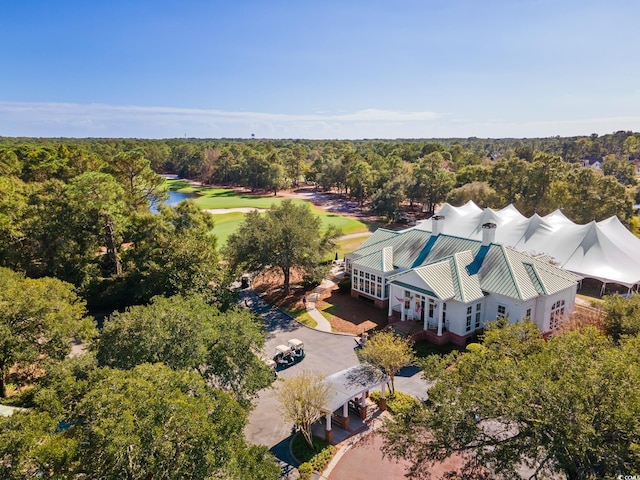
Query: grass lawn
(217,198)
(226,224)
(345,246)
(180,186)
(303,317)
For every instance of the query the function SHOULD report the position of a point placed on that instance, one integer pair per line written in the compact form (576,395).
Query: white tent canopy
(603,250)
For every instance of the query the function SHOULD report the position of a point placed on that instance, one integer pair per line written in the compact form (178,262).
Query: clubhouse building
(452,285)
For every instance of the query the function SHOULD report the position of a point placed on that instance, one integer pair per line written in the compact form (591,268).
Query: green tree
(188,333)
(97,200)
(555,407)
(388,351)
(360,180)
(623,170)
(38,320)
(149,422)
(479,193)
(623,316)
(286,236)
(140,183)
(173,253)
(302,400)
(507,178)
(540,175)
(433,180)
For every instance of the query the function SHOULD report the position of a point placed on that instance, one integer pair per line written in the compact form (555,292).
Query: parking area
(325,353)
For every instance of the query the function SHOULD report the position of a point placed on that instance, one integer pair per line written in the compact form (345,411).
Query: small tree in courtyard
(302,401)
(388,351)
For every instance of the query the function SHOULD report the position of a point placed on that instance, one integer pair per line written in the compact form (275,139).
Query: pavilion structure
(350,387)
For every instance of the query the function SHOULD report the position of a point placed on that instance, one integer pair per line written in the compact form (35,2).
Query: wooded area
(76,232)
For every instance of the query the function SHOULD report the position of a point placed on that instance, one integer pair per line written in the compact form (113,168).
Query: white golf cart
(284,356)
(297,348)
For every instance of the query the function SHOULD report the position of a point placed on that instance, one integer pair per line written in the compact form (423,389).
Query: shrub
(305,470)
(319,457)
(398,403)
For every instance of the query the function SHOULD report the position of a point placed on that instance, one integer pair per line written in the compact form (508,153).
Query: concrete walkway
(337,272)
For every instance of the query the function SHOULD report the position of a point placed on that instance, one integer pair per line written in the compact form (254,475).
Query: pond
(174,199)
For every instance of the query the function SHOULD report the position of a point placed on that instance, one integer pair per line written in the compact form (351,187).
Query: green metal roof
(447,278)
(460,268)
(381,260)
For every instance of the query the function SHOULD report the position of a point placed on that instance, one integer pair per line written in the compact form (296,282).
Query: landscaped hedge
(319,457)
(398,403)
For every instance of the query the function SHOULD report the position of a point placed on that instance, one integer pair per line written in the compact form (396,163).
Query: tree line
(537,175)
(163,392)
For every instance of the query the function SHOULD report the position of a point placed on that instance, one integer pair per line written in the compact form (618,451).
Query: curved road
(326,353)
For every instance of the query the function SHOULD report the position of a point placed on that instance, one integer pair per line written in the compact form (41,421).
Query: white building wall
(457,317)
(514,309)
(544,304)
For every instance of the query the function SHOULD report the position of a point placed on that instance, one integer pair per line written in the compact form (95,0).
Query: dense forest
(78,209)
(175,367)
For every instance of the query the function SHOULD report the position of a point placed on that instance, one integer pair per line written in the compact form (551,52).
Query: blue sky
(319,69)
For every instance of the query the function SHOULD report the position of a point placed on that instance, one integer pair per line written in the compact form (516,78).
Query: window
(366,286)
(379,279)
(444,313)
(468,325)
(378,290)
(431,307)
(477,325)
(528,315)
(386,290)
(557,314)
(366,275)
(502,311)
(355,273)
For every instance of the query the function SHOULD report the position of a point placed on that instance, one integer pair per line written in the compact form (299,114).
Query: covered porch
(409,303)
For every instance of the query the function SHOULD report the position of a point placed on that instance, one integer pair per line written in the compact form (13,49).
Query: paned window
(557,314)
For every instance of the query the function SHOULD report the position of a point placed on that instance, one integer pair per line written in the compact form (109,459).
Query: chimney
(488,233)
(437,224)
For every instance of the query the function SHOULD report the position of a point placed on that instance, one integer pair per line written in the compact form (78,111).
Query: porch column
(402,309)
(383,398)
(438,312)
(363,406)
(328,433)
(425,322)
(345,416)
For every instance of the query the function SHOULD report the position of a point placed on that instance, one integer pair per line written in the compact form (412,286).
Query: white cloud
(69,119)
(99,120)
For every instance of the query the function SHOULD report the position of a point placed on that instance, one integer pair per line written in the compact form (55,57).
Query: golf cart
(284,356)
(297,348)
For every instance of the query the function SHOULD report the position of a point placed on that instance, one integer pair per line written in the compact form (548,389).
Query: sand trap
(220,211)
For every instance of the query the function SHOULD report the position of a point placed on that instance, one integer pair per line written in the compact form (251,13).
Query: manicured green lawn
(345,246)
(221,198)
(226,224)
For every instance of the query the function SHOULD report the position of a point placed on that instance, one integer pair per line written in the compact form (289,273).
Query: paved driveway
(326,353)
